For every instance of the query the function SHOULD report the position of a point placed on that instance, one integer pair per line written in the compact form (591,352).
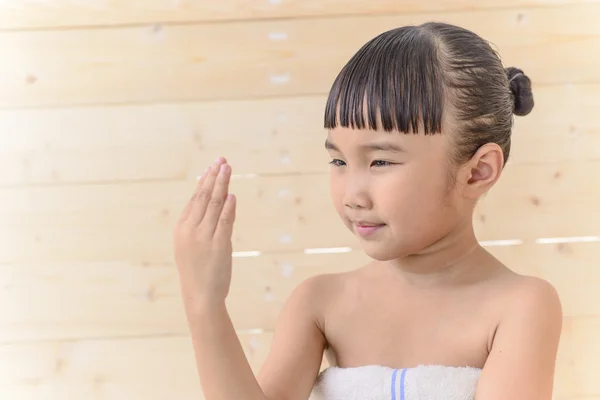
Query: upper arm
(521,362)
(296,353)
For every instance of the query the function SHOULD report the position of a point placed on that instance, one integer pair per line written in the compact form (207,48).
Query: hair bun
(520,86)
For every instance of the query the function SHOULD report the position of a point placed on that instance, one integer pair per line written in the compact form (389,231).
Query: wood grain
(539,201)
(130,368)
(183,62)
(263,137)
(576,372)
(17,14)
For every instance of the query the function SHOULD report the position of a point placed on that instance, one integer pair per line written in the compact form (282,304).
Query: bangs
(394,82)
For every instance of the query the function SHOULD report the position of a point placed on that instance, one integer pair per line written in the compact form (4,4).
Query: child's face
(407,192)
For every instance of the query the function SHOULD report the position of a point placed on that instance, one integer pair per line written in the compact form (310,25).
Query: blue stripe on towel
(394,384)
(402,384)
(402,379)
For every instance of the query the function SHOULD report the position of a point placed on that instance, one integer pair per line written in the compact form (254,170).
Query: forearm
(223,368)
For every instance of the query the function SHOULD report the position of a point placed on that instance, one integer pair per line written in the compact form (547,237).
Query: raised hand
(202,239)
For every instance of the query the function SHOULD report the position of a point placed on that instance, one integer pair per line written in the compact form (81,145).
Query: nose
(356,194)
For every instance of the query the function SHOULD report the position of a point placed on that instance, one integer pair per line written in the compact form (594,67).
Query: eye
(380,163)
(337,163)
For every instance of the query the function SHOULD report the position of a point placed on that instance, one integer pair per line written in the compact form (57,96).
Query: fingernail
(223,169)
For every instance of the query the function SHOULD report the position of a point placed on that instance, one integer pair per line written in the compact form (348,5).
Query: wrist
(201,307)
(207,318)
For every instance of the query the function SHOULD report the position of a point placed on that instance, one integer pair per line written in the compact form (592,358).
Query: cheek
(414,199)
(336,189)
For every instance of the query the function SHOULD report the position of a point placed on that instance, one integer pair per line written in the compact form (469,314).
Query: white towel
(375,382)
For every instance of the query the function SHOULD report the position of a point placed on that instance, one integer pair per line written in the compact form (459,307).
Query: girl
(419,125)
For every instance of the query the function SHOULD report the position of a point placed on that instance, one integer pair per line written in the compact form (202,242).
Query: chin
(385,249)
(384,253)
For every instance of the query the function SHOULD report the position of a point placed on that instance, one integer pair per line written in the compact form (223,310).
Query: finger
(224,229)
(186,211)
(203,194)
(217,200)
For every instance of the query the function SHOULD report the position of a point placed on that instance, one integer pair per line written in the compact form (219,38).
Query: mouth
(364,228)
(366,224)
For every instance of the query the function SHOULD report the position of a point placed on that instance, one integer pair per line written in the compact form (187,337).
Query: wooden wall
(109,109)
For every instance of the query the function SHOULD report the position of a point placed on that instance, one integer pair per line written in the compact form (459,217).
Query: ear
(482,171)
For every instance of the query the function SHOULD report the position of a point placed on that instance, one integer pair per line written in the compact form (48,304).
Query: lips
(366,224)
(364,228)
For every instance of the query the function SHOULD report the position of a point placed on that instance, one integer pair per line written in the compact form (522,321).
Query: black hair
(402,79)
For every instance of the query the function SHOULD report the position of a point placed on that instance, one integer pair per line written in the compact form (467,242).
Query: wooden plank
(53,301)
(135,299)
(122,368)
(184,62)
(133,222)
(166,141)
(16,14)
(272,136)
(534,201)
(562,126)
(576,372)
(127,368)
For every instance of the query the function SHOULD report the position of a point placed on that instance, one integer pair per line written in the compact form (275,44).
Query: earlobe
(485,168)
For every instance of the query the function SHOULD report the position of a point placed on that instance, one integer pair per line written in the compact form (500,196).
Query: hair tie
(517,74)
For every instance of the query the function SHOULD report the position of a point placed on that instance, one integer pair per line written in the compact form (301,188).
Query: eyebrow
(375,146)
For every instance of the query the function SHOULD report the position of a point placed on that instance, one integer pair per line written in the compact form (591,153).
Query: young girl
(419,128)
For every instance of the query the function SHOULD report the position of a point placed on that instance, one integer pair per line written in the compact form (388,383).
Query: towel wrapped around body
(376,382)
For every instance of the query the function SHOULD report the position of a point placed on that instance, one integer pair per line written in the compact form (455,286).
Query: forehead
(348,139)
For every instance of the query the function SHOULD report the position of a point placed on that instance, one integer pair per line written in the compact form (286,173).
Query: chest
(366,328)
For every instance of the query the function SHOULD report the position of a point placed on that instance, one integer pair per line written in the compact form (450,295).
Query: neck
(450,260)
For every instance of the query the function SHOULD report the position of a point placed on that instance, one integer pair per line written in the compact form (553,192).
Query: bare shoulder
(531,304)
(521,362)
(531,295)
(319,291)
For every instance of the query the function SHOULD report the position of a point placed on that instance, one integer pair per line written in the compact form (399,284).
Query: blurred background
(110,109)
